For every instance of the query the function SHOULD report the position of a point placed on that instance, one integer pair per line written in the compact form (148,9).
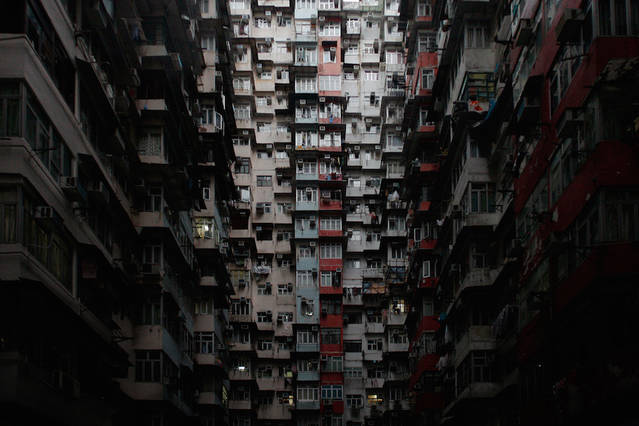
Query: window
(264,345)
(332,392)
(354,401)
(476,35)
(262,23)
(374,344)
(476,367)
(264,181)
(242,112)
(353,371)
(371,75)
(241,84)
(208,42)
(204,6)
(305,279)
(423,8)
(352,346)
(428,77)
(329,54)
(427,42)
(264,290)
(307,393)
(147,366)
(330,29)
(9,109)
(333,364)
(330,82)
(204,342)
(306,85)
(8,216)
(331,336)
(614,18)
(307,337)
(331,223)
(331,251)
(242,165)
(482,198)
(396,223)
(284,289)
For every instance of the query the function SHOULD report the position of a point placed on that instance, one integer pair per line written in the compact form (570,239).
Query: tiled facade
(319,233)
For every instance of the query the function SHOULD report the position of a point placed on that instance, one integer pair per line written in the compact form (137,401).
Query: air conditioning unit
(289,146)
(322,99)
(338,270)
(244,326)
(356,147)
(569,122)
(302,101)
(314,328)
(312,244)
(267,13)
(322,18)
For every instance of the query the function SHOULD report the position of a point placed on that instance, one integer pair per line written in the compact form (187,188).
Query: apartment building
(521,126)
(115,153)
(319,230)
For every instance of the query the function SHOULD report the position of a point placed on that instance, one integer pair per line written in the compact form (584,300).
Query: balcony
(307,347)
(371,164)
(301,176)
(308,376)
(306,118)
(328,204)
(370,57)
(372,273)
(240,405)
(302,206)
(374,327)
(371,137)
(307,263)
(395,92)
(329,5)
(476,278)
(374,382)
(397,347)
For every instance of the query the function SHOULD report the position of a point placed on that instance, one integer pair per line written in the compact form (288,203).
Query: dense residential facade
(115,155)
(319,212)
(521,185)
(319,233)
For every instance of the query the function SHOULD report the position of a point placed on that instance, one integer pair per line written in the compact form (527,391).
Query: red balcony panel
(327,204)
(331,321)
(338,407)
(330,348)
(427,244)
(335,406)
(330,233)
(427,324)
(331,290)
(430,282)
(331,177)
(330,148)
(602,50)
(331,68)
(334,120)
(332,378)
(426,363)
(600,267)
(428,167)
(334,93)
(424,206)
(428,401)
(331,264)
(428,128)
